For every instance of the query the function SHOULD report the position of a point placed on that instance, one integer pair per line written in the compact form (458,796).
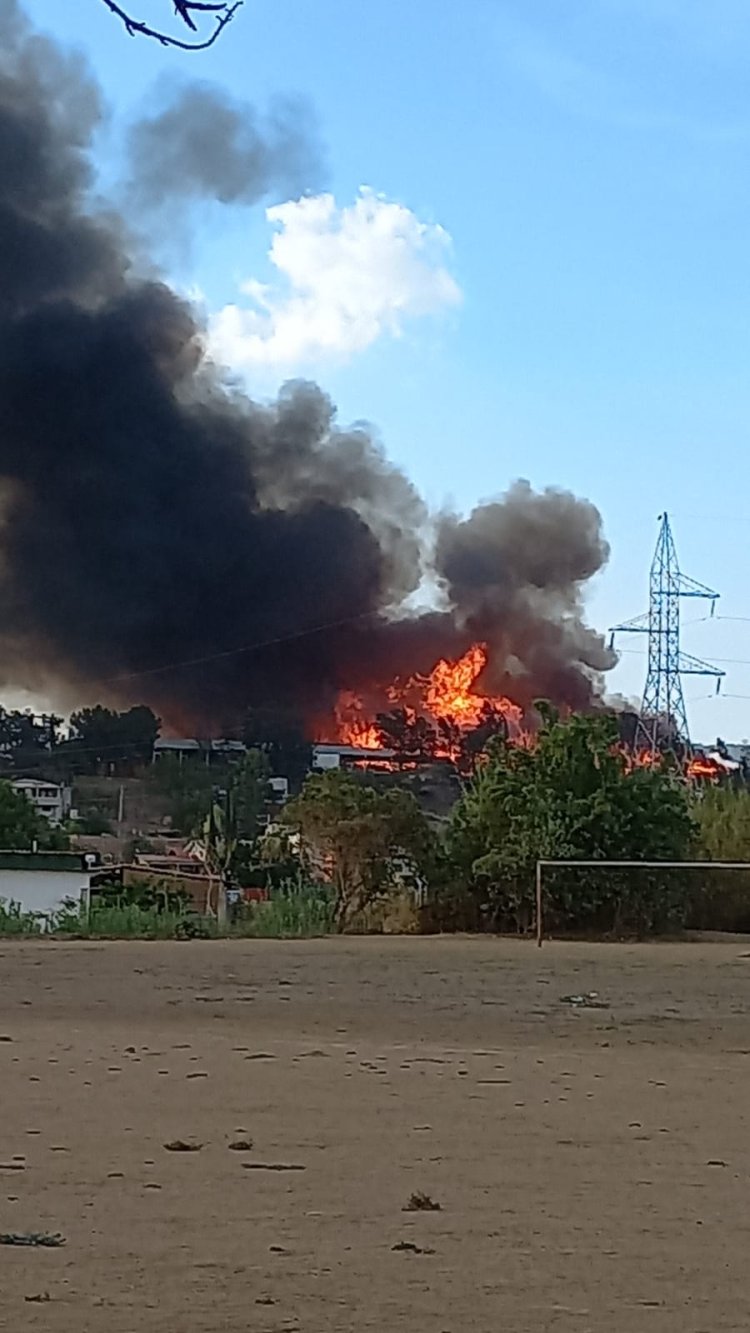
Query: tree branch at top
(184,10)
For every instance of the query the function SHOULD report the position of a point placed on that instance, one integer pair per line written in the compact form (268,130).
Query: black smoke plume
(164,539)
(201,144)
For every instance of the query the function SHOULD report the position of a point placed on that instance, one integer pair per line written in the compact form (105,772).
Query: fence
(593,863)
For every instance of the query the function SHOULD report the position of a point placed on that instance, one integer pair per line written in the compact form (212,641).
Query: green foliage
(295,910)
(21,825)
(93,824)
(27,740)
(720,898)
(367,841)
(150,895)
(189,789)
(249,792)
(571,796)
(104,741)
(722,817)
(14,921)
(129,922)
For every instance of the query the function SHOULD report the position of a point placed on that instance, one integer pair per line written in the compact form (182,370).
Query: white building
(48,798)
(41,883)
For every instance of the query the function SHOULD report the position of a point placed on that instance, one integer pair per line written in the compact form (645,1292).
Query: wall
(42,890)
(200,889)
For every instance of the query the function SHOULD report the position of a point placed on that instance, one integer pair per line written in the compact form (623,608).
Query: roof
(35,782)
(354,751)
(195,746)
(25,860)
(172,743)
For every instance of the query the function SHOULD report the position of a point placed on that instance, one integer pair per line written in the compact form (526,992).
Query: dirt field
(592,1165)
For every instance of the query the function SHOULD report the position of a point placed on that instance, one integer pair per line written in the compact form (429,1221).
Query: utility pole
(663,717)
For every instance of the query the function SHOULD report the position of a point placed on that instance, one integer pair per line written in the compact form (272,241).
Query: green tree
(21,826)
(27,740)
(249,793)
(102,740)
(366,841)
(189,789)
(280,734)
(571,796)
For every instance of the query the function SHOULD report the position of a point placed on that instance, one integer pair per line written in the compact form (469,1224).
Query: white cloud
(349,274)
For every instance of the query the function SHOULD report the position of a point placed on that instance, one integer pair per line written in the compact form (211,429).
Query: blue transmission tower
(663,717)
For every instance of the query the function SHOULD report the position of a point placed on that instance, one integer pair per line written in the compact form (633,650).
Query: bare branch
(224,13)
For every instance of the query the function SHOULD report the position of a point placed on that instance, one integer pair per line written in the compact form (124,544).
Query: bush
(571,796)
(370,842)
(720,899)
(14,921)
(93,824)
(152,895)
(295,910)
(126,921)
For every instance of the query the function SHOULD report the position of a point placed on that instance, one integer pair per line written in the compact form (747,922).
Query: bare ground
(592,1166)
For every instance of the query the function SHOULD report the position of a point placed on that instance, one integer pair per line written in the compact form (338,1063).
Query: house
(193,749)
(42,883)
(326,757)
(48,798)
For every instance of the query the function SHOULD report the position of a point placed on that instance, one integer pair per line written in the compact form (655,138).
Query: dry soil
(592,1165)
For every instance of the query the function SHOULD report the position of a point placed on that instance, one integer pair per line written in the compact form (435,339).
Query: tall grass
(126,922)
(14,921)
(295,910)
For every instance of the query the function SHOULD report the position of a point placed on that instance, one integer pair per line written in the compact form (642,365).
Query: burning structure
(165,539)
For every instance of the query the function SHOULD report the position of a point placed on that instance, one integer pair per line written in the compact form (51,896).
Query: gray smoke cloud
(202,145)
(163,539)
(515,571)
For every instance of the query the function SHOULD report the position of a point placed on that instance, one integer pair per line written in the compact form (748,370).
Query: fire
(702,767)
(353,726)
(640,758)
(447,699)
(449,692)
(449,702)
(364,735)
(449,688)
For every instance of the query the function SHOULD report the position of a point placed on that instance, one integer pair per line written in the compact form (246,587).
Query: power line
(663,700)
(732,661)
(236,652)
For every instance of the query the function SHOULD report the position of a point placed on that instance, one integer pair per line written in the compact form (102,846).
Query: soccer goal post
(594,864)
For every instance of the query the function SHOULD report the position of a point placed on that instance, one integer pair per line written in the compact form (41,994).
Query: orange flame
(639,758)
(701,767)
(353,727)
(447,694)
(449,691)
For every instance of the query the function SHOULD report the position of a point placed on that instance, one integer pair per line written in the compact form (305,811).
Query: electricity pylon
(663,713)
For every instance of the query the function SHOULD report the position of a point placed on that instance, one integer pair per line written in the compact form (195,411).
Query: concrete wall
(200,889)
(43,890)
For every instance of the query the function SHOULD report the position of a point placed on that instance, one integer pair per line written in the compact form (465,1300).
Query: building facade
(43,883)
(48,798)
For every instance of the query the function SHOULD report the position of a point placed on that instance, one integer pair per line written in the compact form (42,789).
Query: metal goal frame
(594,863)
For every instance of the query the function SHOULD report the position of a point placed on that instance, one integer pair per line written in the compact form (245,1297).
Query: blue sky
(588,162)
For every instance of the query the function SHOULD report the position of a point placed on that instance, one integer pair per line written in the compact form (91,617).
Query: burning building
(165,539)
